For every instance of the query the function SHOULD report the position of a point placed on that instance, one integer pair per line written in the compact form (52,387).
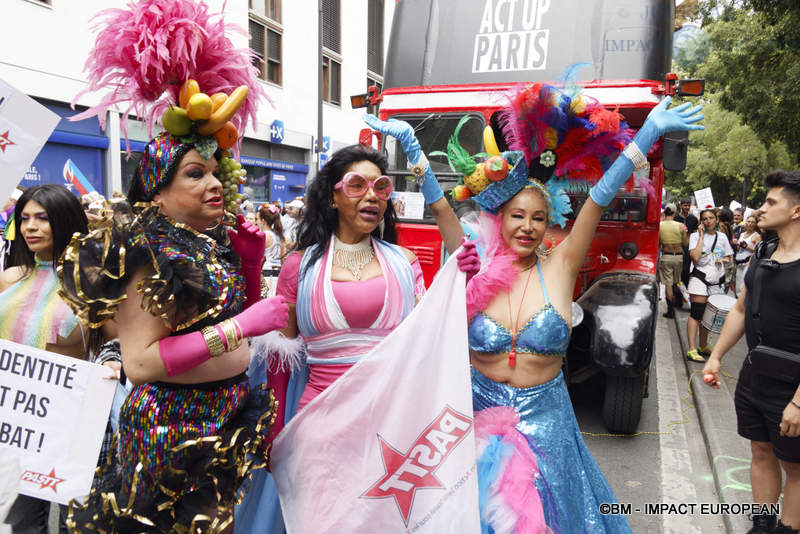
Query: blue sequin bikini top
(546,332)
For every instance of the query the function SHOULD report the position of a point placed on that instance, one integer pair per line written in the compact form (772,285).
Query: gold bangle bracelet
(213,340)
(229,330)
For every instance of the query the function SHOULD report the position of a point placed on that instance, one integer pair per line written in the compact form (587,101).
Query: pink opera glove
(468,260)
(264,316)
(187,351)
(183,353)
(249,241)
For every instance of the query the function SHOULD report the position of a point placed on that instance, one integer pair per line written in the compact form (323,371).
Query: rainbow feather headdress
(556,141)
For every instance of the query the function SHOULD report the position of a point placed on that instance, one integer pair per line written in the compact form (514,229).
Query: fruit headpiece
(156,56)
(555,141)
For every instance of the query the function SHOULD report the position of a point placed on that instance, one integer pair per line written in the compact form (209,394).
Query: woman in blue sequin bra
(534,470)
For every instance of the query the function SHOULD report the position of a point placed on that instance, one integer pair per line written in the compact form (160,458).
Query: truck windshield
(433,132)
(628,206)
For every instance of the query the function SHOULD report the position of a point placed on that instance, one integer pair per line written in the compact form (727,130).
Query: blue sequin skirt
(570,484)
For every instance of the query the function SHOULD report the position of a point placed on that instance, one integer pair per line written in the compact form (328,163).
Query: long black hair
(65,214)
(320,218)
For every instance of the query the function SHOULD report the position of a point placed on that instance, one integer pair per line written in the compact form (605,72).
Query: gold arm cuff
(213,340)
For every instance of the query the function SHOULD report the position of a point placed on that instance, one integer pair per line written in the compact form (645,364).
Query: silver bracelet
(634,154)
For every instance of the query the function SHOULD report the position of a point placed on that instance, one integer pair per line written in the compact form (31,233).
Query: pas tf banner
(389,447)
(53,413)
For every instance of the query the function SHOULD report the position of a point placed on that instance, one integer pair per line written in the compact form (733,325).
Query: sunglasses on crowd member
(355,185)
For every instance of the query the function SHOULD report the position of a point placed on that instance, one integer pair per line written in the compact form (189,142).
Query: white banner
(389,447)
(25,126)
(53,413)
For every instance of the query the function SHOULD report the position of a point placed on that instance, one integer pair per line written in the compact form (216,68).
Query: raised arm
(446,219)
(660,121)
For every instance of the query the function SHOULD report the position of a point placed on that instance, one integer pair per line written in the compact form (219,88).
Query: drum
(717,308)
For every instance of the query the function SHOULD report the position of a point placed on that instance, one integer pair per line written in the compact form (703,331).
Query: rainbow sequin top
(34,314)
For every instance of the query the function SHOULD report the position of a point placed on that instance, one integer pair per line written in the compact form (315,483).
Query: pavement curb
(725,447)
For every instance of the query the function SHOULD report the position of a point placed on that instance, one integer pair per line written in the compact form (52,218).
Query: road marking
(676,465)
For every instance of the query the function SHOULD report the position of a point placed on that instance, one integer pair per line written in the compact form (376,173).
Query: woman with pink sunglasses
(348,280)
(348,286)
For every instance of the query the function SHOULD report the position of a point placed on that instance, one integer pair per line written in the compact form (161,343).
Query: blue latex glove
(660,121)
(404,133)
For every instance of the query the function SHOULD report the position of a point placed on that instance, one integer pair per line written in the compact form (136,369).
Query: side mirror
(675,148)
(691,87)
(365,136)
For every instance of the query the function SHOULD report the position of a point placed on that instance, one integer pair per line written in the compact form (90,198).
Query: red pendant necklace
(512,354)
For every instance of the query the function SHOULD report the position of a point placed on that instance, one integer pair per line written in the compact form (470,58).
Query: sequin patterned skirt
(570,484)
(184,451)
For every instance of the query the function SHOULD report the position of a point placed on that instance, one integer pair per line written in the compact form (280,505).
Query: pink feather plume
(145,52)
(498,271)
(514,499)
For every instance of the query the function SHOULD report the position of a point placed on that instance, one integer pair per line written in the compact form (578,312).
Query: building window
(268,9)
(331,81)
(265,42)
(331,31)
(375,36)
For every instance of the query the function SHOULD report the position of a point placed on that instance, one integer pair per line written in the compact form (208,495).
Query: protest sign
(25,126)
(704,198)
(53,413)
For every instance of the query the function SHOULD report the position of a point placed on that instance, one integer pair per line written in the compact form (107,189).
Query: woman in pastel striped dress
(31,312)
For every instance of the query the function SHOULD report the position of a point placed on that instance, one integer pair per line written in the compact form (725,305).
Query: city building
(44,44)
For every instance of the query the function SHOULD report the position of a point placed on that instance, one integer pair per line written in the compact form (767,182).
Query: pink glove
(248,242)
(264,316)
(468,260)
(187,351)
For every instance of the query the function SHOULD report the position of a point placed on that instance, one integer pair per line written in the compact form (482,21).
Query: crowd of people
(166,288)
(746,255)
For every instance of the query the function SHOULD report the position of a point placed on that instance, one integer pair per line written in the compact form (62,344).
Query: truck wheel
(622,406)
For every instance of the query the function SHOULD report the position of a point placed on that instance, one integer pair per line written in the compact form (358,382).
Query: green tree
(754,65)
(729,157)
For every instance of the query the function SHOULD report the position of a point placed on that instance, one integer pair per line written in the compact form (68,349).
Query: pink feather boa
(145,52)
(514,505)
(498,271)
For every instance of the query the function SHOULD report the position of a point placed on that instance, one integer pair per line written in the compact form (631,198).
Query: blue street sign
(323,159)
(276,132)
(326,144)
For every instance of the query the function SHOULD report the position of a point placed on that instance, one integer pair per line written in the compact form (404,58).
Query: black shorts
(760,402)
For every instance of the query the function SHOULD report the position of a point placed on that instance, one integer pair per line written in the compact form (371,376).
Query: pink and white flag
(389,447)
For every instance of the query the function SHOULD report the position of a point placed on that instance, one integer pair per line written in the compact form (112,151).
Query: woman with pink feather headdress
(535,474)
(184,289)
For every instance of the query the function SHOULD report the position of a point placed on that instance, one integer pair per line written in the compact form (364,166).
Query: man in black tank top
(767,398)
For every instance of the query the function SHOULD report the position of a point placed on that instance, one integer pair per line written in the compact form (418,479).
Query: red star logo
(5,141)
(405,473)
(401,489)
(51,481)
